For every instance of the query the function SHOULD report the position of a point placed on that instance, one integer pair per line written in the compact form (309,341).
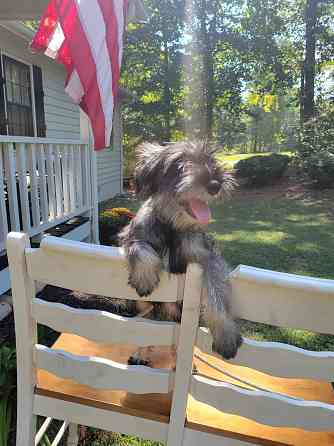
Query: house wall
(61,114)
(63,118)
(109,160)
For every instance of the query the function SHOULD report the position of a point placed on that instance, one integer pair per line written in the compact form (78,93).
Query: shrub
(320,168)
(261,170)
(111,222)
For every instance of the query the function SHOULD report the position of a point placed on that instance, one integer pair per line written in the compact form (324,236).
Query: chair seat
(199,416)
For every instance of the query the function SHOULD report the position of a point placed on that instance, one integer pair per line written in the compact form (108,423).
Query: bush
(261,170)
(320,168)
(111,222)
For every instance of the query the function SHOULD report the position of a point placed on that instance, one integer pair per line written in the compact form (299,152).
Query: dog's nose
(213,187)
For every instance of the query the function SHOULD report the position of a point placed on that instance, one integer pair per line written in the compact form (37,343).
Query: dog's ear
(149,168)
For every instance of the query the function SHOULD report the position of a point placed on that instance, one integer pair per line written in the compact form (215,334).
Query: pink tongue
(200,210)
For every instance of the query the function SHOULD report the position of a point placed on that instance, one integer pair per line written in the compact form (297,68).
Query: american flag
(86,36)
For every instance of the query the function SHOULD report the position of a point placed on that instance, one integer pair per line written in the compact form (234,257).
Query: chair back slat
(92,269)
(264,407)
(101,326)
(283,300)
(101,373)
(276,358)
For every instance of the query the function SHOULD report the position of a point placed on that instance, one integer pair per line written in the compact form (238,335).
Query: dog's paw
(136,360)
(228,346)
(144,285)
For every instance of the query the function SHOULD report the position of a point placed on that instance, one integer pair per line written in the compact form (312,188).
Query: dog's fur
(166,233)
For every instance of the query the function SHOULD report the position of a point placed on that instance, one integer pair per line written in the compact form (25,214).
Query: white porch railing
(43,182)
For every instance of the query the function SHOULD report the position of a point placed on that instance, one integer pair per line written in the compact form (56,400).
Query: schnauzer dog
(177,181)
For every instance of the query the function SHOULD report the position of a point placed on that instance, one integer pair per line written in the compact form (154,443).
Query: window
(20,105)
(18,96)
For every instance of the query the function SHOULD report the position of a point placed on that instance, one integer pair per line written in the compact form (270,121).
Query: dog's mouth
(199,210)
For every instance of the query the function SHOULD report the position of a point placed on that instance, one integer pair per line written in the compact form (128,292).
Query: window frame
(32,86)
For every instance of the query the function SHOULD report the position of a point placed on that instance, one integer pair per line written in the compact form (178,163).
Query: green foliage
(111,222)
(262,170)
(7,385)
(320,168)
(316,148)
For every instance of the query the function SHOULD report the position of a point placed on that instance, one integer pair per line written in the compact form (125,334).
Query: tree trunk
(309,65)
(208,70)
(166,95)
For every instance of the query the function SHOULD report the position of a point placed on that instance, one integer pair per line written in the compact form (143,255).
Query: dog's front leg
(144,267)
(225,332)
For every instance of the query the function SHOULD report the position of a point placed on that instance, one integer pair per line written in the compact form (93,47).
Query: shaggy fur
(167,234)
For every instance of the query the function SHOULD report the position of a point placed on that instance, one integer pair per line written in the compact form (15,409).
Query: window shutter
(3,127)
(39,101)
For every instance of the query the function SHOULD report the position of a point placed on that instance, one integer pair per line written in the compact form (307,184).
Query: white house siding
(62,116)
(108,170)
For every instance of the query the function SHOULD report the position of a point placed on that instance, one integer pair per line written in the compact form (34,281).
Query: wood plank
(93,269)
(32,164)
(43,195)
(3,211)
(283,300)
(59,182)
(102,373)
(50,171)
(263,407)
(23,187)
(276,359)
(101,326)
(10,175)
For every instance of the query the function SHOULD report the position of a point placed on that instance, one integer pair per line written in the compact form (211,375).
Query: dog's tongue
(200,210)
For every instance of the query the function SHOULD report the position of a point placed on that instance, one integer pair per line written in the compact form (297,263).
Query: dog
(177,181)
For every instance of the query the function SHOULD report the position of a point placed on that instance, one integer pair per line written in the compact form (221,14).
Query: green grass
(230,160)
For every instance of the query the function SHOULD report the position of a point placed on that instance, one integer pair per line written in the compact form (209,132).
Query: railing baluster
(86,175)
(3,211)
(58,180)
(78,168)
(51,180)
(10,172)
(64,160)
(72,173)
(23,187)
(36,213)
(42,183)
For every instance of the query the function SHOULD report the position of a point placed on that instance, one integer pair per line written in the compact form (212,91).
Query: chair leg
(26,429)
(73,435)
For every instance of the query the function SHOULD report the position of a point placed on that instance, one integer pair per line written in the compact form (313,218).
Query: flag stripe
(112,31)
(85,66)
(119,12)
(95,30)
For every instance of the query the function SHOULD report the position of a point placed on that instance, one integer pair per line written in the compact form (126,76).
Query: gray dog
(177,181)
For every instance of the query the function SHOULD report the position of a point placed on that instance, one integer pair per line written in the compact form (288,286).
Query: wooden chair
(84,378)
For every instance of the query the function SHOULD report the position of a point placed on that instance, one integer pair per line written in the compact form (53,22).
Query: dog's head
(184,176)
